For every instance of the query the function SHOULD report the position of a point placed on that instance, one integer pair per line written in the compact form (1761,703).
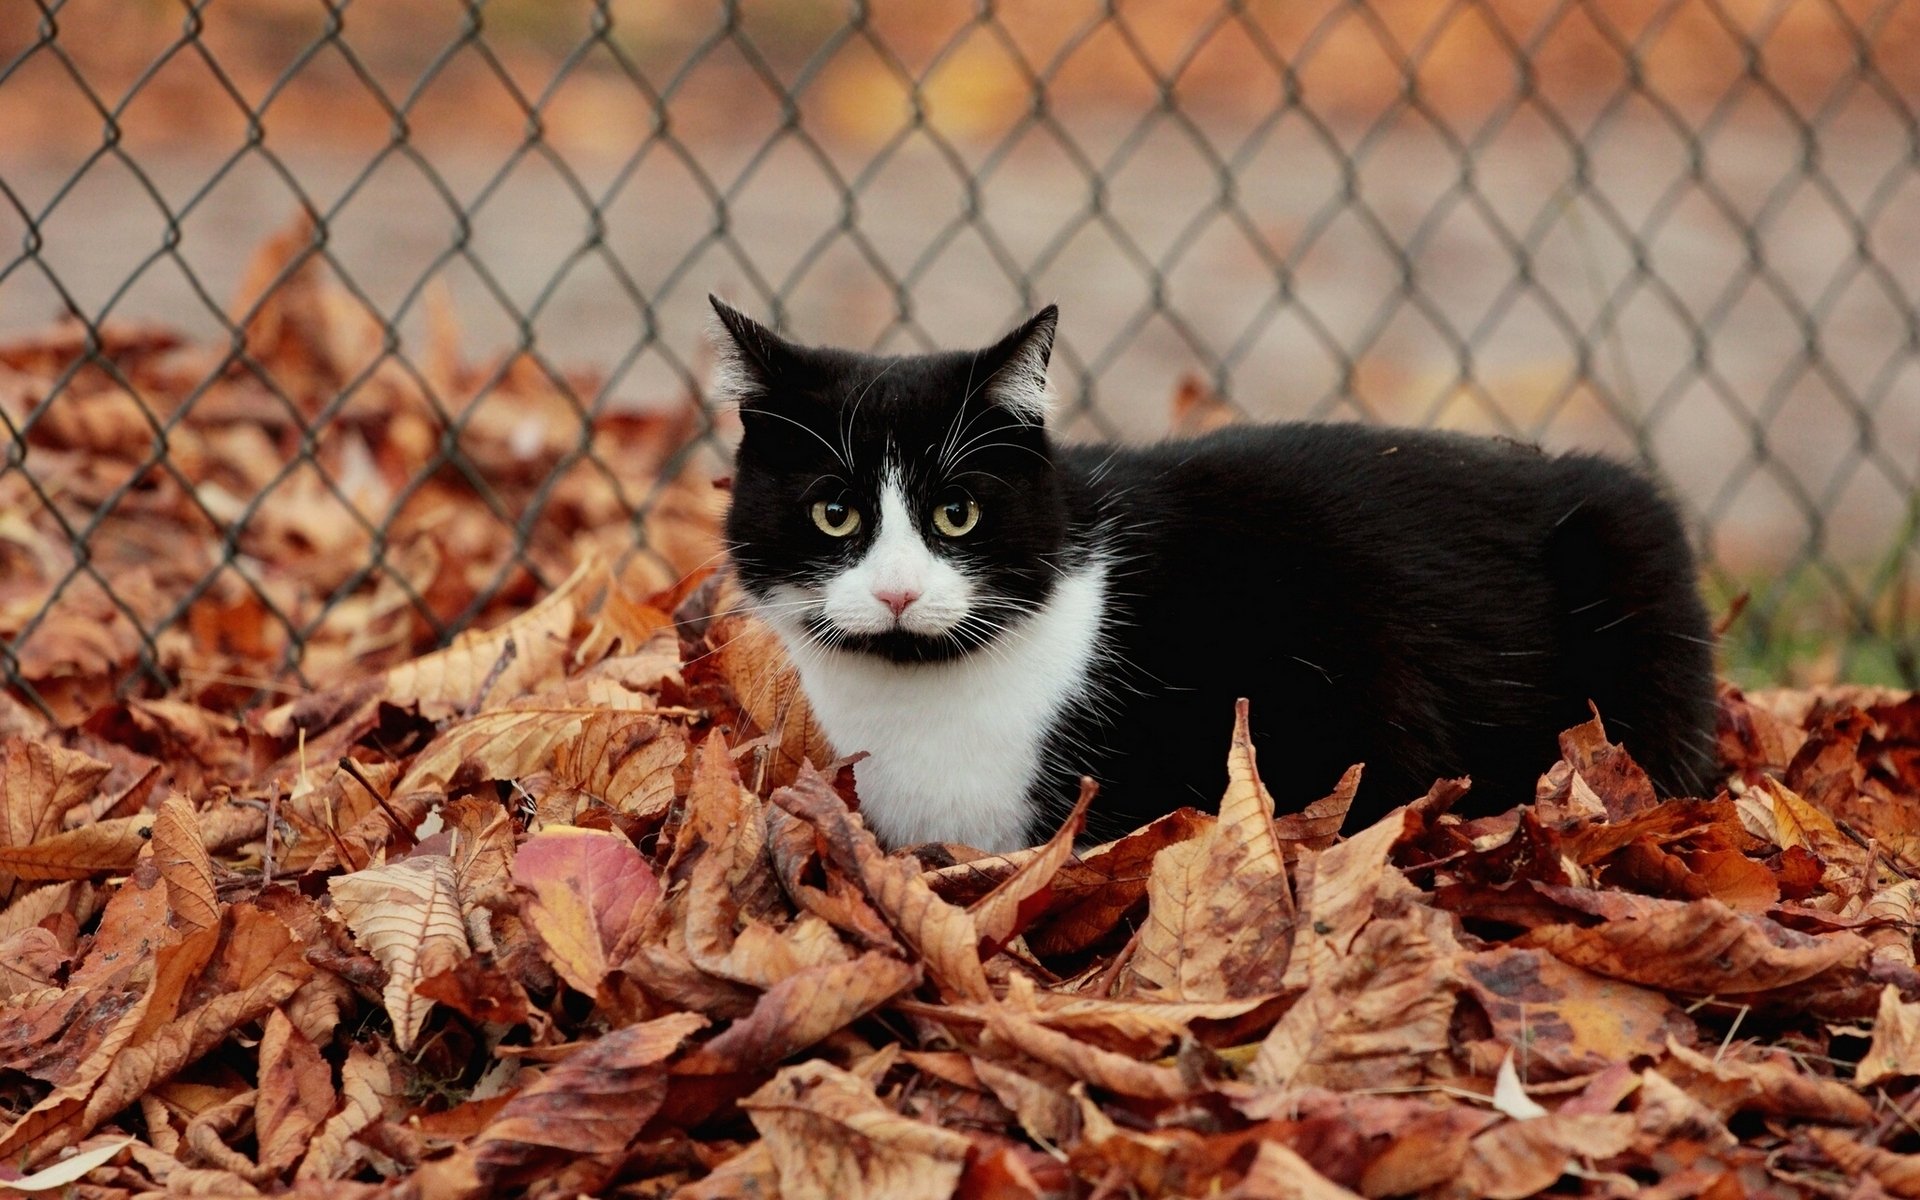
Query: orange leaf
(184,866)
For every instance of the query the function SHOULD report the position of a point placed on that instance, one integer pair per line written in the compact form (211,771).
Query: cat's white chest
(954,748)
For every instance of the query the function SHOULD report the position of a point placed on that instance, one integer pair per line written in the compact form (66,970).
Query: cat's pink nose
(897,601)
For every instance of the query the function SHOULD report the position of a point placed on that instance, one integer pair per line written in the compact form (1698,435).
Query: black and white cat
(990,615)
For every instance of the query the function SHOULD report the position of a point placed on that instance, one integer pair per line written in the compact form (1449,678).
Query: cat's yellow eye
(836,519)
(956,518)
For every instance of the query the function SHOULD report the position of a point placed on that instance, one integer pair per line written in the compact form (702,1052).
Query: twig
(353,768)
(508,652)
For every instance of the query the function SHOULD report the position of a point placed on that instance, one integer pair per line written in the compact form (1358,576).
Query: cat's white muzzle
(898,564)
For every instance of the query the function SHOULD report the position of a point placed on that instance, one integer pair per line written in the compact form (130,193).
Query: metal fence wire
(1679,229)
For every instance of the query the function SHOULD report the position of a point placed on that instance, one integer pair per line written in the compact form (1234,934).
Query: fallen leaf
(940,933)
(68,1171)
(1702,948)
(592,1103)
(590,890)
(1520,1158)
(295,1094)
(407,915)
(802,1009)
(1220,908)
(829,1135)
(184,866)
(1899,1174)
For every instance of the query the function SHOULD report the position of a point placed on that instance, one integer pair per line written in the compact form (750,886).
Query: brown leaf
(1375,1013)
(1519,1158)
(829,1135)
(184,865)
(531,736)
(1700,948)
(1008,908)
(590,889)
(39,783)
(1572,1021)
(1607,770)
(512,660)
(255,965)
(592,1103)
(1278,1173)
(1317,826)
(1899,1174)
(368,1087)
(479,991)
(1220,908)
(1771,1085)
(941,934)
(407,915)
(295,1093)
(801,1010)
(1047,1113)
(749,657)
(1103,1068)
(30,959)
(101,848)
(1896,1041)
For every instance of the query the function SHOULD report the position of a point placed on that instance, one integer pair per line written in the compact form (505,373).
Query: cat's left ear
(748,356)
(1018,363)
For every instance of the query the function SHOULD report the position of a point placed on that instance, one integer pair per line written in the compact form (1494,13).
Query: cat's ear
(1018,366)
(748,357)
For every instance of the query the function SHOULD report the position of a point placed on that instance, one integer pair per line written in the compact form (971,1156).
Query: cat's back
(1451,600)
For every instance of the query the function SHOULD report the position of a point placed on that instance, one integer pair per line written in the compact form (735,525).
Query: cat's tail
(1635,638)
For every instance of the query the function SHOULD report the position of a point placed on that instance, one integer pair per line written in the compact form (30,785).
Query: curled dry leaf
(39,784)
(1220,908)
(593,1103)
(1520,1158)
(1008,908)
(1899,1174)
(1278,1173)
(1769,1085)
(1378,1014)
(407,915)
(295,1093)
(749,657)
(802,1009)
(369,1086)
(101,848)
(829,1135)
(184,866)
(1570,1020)
(1896,1041)
(1702,948)
(940,933)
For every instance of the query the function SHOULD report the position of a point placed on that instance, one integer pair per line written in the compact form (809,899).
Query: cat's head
(903,506)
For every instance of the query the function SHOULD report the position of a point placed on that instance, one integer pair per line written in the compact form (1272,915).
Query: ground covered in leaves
(582,903)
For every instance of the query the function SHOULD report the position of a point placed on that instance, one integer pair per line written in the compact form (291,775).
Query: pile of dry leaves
(582,904)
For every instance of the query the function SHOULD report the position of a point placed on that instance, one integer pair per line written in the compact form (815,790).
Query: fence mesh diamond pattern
(327,327)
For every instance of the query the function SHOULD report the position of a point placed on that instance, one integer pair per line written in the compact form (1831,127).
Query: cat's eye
(956,518)
(836,519)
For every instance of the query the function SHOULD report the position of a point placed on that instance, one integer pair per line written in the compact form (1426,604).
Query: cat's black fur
(1430,604)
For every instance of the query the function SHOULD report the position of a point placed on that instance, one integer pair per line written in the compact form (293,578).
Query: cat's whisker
(970,450)
(761,410)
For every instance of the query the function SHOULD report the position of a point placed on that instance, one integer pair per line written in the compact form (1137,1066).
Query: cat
(989,615)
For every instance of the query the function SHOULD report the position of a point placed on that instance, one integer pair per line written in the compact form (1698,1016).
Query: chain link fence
(1678,229)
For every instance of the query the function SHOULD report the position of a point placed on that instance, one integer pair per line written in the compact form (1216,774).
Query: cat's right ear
(748,357)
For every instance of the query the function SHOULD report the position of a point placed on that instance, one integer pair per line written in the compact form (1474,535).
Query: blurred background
(1684,230)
